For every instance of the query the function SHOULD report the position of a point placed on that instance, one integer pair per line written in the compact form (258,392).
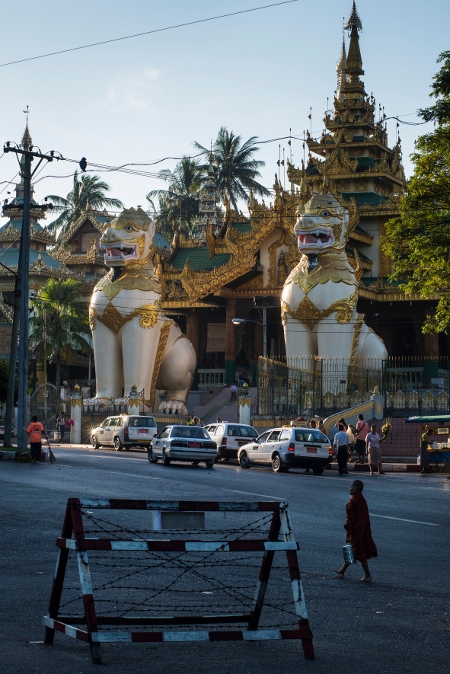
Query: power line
(148,32)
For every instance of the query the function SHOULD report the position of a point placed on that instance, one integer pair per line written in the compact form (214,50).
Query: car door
(110,432)
(104,432)
(255,452)
(158,441)
(269,446)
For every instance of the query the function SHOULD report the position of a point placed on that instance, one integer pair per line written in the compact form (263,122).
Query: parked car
(229,437)
(183,443)
(288,447)
(124,431)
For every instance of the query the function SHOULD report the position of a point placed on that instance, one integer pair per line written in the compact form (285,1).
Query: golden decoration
(163,336)
(135,277)
(114,320)
(333,266)
(76,402)
(245,401)
(356,334)
(285,240)
(310,315)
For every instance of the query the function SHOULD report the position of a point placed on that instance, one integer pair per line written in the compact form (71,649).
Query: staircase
(221,406)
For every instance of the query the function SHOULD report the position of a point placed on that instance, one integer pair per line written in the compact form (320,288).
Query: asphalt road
(398,623)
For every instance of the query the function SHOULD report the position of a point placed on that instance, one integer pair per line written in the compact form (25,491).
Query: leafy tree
(87,191)
(418,241)
(236,166)
(180,202)
(60,324)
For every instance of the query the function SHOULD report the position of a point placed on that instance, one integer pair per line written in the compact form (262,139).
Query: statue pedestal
(245,405)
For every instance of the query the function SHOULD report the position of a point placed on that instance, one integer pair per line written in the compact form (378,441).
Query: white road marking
(251,493)
(147,477)
(401,519)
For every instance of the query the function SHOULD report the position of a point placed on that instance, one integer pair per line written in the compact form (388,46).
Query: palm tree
(60,324)
(180,202)
(236,167)
(87,191)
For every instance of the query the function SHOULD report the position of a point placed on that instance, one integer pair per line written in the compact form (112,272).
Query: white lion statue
(318,302)
(134,344)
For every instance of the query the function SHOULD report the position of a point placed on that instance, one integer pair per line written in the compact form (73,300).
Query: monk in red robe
(358,529)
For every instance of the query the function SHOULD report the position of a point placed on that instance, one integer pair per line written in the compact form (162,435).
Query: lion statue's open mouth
(321,237)
(119,252)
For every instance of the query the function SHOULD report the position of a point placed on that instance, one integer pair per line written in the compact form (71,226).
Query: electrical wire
(148,32)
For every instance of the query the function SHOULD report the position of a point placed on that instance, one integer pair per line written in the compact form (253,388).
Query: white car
(229,437)
(183,443)
(125,431)
(288,447)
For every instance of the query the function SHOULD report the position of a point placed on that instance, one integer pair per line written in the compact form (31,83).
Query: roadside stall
(438,429)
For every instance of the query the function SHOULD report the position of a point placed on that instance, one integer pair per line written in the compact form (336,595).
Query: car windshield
(242,431)
(141,422)
(189,432)
(304,435)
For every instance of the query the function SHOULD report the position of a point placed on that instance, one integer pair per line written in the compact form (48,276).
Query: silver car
(124,431)
(183,443)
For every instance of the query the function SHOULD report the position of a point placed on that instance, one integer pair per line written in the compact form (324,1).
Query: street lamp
(238,321)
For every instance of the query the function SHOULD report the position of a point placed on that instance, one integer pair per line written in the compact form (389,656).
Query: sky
(143,99)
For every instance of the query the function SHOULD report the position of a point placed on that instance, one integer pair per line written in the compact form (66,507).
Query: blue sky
(258,74)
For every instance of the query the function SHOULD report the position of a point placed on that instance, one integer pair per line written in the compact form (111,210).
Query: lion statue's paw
(173,407)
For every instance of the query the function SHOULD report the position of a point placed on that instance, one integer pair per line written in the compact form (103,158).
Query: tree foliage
(59,327)
(236,166)
(89,191)
(418,241)
(179,204)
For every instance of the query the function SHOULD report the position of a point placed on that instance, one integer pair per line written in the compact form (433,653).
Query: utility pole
(23,282)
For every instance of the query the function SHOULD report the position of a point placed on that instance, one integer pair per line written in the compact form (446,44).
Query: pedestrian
(424,456)
(341,446)
(233,391)
(373,449)
(321,426)
(359,533)
(343,422)
(35,430)
(218,420)
(362,428)
(312,423)
(201,422)
(61,422)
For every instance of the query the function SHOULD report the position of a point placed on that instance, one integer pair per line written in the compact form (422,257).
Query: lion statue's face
(321,225)
(128,238)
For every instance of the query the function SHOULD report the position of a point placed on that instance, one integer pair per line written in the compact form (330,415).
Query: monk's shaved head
(356,485)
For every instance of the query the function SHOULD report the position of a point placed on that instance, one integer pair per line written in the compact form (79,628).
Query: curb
(387,467)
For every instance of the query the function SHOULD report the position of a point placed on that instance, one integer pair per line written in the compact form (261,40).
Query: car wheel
(117,444)
(317,470)
(94,442)
(165,459)
(195,463)
(277,465)
(151,457)
(244,460)
(209,463)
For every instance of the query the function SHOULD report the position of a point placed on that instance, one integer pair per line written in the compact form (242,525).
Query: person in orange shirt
(35,430)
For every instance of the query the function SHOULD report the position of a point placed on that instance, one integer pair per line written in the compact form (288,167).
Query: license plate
(194,444)
(241,443)
(143,431)
(311,450)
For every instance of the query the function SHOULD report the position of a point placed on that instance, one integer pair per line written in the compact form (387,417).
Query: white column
(245,404)
(133,401)
(76,403)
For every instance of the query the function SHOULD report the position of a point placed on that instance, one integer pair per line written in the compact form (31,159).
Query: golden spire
(341,65)
(354,60)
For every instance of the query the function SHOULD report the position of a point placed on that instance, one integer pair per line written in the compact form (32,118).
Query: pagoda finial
(342,64)
(353,20)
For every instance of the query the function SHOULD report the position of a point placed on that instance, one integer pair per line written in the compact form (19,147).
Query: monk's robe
(358,528)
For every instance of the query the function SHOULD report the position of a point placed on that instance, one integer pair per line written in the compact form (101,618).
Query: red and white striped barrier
(279,539)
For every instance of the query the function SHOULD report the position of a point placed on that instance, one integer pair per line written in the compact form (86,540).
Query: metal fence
(322,386)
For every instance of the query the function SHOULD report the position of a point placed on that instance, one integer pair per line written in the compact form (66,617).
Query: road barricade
(126,570)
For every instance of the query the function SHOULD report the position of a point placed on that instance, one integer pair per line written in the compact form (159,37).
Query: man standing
(233,391)
(62,426)
(373,449)
(359,533)
(362,428)
(341,446)
(35,430)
